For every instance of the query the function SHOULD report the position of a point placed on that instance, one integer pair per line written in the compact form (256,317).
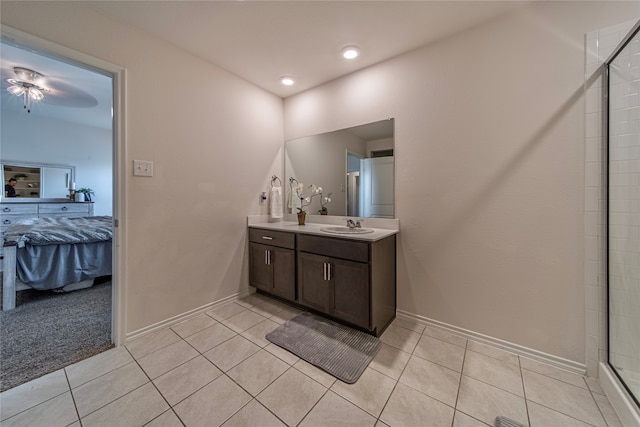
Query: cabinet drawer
(337,248)
(8,220)
(63,208)
(274,238)
(27,208)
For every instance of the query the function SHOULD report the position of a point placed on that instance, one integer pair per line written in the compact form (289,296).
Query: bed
(55,254)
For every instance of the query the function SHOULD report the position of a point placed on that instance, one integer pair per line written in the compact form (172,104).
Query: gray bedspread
(52,231)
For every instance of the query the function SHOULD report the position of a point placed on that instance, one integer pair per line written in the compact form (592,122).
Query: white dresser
(12,211)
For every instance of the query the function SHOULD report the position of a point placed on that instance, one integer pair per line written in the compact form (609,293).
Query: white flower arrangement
(306,200)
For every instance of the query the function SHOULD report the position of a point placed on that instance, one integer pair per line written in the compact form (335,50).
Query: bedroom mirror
(38,180)
(354,165)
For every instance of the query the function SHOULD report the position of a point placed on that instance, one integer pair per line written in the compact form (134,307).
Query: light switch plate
(142,168)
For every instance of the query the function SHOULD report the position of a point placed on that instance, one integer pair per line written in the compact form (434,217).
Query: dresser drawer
(8,220)
(334,247)
(30,209)
(47,209)
(274,238)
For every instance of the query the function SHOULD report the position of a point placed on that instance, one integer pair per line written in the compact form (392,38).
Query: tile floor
(218,369)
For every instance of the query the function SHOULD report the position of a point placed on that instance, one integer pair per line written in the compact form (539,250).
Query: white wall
(186,239)
(489,153)
(36,139)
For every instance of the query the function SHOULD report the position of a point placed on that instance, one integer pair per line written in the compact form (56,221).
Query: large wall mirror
(38,180)
(354,165)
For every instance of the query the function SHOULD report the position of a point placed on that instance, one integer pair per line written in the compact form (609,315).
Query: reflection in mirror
(355,165)
(38,180)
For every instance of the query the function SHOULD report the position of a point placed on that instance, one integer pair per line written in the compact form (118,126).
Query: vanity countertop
(316,228)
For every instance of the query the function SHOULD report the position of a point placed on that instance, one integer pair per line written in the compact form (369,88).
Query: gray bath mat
(341,351)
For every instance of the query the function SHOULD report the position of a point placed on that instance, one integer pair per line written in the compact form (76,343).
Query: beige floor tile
(133,409)
(444,335)
(607,411)
(496,353)
(460,419)
(268,308)
(166,419)
(315,373)
(440,352)
(213,404)
(486,402)
(493,371)
(167,358)
(412,325)
(208,338)
(226,311)
(284,315)
(370,392)
(258,371)
(186,379)
(56,412)
(231,352)
(432,379)
(28,395)
(97,365)
(252,300)
(574,401)
(390,361)
(409,407)
(291,396)
(594,385)
(335,411)
(243,321)
(253,414)
(381,424)
(553,372)
(107,388)
(282,354)
(401,338)
(193,325)
(149,343)
(256,334)
(541,416)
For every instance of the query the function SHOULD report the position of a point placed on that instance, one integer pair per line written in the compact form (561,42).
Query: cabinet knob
(6,210)
(64,208)
(6,221)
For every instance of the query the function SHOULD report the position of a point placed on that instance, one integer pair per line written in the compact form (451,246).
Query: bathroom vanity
(349,277)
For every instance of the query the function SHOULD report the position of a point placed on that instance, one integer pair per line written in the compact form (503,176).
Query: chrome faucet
(353,224)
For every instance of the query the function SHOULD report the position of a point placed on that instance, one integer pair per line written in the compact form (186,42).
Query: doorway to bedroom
(76,124)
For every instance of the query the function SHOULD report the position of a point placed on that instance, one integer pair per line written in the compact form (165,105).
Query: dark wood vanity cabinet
(272,261)
(354,281)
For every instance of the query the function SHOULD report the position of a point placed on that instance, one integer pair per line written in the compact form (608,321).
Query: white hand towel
(276,202)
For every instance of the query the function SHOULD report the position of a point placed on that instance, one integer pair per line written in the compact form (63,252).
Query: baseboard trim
(618,396)
(569,365)
(185,316)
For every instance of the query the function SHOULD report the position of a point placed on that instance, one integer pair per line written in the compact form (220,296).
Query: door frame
(118,76)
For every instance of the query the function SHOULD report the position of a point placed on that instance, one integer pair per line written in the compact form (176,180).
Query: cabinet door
(260,271)
(351,292)
(314,288)
(284,272)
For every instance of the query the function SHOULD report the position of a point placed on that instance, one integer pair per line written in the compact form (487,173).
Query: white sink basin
(346,230)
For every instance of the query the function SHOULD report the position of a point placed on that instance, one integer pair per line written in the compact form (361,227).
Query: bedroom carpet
(48,331)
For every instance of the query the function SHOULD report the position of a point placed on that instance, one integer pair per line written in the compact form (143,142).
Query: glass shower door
(624,215)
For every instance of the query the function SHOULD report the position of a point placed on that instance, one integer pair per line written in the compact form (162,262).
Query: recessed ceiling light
(287,81)
(350,52)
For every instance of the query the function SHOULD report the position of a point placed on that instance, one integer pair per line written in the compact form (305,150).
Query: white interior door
(377,187)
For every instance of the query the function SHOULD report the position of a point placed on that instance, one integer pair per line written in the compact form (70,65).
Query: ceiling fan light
(35,94)
(16,90)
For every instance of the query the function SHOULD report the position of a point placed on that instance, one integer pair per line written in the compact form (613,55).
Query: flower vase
(301,217)
(324,212)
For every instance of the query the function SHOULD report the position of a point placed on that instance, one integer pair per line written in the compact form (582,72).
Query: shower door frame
(623,44)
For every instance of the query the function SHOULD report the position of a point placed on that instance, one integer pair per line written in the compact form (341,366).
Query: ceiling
(260,41)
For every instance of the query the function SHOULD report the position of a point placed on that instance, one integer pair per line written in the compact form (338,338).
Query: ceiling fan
(34,87)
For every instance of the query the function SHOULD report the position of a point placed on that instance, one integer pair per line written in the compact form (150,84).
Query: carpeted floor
(48,331)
